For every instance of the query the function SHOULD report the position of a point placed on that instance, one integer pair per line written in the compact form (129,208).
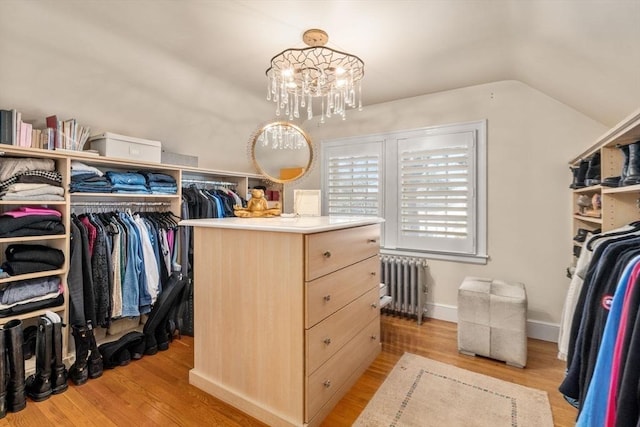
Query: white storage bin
(126,147)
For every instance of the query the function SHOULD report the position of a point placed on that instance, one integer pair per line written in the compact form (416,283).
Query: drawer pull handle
(327,341)
(372,240)
(327,254)
(373,337)
(374,305)
(373,273)
(327,384)
(327,298)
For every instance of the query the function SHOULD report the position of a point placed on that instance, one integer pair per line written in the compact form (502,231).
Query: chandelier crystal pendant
(297,76)
(282,137)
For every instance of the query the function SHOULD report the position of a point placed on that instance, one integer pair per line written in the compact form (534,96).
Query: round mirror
(282,152)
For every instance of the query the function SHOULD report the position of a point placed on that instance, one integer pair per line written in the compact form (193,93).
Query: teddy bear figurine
(256,207)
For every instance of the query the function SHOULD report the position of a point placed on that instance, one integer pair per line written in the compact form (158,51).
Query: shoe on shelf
(581,235)
(611,181)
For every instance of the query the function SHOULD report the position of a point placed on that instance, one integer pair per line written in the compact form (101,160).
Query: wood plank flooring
(155,391)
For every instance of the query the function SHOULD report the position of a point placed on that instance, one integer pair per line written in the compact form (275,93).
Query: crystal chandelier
(297,76)
(282,137)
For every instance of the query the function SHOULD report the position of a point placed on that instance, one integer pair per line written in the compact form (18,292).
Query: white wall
(531,137)
(55,61)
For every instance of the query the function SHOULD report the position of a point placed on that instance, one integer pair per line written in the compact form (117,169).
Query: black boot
(79,373)
(625,163)
(154,328)
(39,384)
(95,358)
(16,397)
(3,378)
(579,174)
(592,176)
(633,169)
(58,370)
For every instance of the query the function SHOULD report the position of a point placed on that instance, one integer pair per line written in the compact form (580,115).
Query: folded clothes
(31,210)
(89,177)
(8,223)
(16,268)
(89,189)
(34,253)
(44,177)
(30,225)
(33,190)
(49,228)
(25,289)
(163,184)
(86,176)
(51,300)
(34,176)
(131,188)
(157,177)
(10,166)
(164,190)
(21,186)
(80,168)
(131,178)
(34,198)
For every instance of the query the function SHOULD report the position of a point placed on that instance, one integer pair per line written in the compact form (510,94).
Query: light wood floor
(154,391)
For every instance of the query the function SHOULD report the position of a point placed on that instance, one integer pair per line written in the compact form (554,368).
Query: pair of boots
(51,374)
(88,362)
(630,174)
(12,391)
(129,347)
(587,173)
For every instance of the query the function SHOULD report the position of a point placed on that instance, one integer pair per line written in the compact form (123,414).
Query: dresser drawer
(332,250)
(329,293)
(330,335)
(327,380)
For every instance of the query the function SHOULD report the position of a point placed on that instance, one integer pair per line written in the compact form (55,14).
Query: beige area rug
(423,392)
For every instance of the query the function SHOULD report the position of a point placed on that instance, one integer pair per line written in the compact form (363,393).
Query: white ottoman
(492,320)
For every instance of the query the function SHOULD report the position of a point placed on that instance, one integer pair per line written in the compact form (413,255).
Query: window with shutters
(435,179)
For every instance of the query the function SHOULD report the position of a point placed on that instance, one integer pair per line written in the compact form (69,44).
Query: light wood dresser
(286,313)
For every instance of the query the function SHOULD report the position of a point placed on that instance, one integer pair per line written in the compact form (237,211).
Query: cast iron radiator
(405,278)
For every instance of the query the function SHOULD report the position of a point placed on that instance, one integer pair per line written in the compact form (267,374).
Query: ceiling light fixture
(297,76)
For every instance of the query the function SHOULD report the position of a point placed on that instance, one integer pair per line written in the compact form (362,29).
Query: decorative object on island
(307,202)
(297,75)
(256,207)
(281,151)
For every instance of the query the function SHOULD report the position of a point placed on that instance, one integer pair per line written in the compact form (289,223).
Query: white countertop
(309,224)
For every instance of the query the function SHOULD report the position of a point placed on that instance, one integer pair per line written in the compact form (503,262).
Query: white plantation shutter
(353,181)
(436,180)
(435,184)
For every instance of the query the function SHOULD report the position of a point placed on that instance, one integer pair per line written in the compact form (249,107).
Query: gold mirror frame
(282,163)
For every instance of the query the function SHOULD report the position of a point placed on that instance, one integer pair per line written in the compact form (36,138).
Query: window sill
(469,259)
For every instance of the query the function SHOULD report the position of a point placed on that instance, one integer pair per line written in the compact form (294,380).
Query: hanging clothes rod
(109,204)
(208,182)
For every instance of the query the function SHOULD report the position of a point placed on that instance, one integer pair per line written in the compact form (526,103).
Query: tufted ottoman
(492,320)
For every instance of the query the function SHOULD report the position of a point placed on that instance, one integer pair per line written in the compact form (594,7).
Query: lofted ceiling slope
(583,53)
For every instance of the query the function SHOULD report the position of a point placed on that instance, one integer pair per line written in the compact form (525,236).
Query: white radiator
(405,278)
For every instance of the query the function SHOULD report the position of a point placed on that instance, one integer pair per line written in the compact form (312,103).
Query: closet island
(286,312)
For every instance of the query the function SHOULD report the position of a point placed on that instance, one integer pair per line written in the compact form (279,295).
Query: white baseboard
(535,329)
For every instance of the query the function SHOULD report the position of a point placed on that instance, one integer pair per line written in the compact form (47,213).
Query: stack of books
(59,134)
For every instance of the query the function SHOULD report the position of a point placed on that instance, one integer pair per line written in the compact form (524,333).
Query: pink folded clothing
(31,210)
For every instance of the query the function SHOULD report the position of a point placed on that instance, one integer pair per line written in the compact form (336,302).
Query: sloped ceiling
(583,53)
